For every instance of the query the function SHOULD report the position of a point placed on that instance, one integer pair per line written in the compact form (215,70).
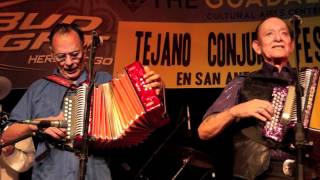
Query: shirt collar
(287,72)
(82,78)
(269,68)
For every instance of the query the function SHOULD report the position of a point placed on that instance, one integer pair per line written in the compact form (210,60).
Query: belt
(279,155)
(277,169)
(60,146)
(65,147)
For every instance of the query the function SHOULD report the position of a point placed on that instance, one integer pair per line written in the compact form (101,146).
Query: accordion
(122,113)
(285,110)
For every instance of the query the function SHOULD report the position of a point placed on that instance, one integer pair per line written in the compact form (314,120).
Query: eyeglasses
(74,55)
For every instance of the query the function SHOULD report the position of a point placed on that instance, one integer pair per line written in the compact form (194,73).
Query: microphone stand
(299,128)
(139,175)
(83,154)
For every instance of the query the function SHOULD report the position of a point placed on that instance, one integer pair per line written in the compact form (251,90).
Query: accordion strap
(61,81)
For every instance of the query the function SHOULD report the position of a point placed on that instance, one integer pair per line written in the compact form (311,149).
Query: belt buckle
(288,167)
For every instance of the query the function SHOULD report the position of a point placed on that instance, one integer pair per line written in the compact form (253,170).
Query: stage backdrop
(191,43)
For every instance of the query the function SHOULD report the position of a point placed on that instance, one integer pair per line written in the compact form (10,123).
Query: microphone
(296,19)
(46,123)
(97,40)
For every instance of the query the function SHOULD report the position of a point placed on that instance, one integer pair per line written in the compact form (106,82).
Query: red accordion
(123,111)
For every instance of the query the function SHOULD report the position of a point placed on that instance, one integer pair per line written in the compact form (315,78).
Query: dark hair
(288,26)
(66,28)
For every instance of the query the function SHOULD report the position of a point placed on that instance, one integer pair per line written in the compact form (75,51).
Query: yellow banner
(203,55)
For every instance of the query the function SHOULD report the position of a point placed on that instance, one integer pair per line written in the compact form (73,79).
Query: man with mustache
(44,99)
(243,107)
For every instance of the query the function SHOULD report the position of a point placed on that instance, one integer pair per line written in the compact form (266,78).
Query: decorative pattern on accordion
(123,112)
(283,102)
(275,129)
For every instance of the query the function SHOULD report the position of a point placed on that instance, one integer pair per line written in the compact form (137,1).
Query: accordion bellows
(123,112)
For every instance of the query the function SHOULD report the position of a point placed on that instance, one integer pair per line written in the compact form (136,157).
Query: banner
(201,55)
(190,43)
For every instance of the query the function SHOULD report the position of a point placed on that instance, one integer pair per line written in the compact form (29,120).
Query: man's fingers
(56,133)
(264,113)
(259,116)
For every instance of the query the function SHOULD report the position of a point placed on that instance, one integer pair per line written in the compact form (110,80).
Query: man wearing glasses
(67,50)
(44,98)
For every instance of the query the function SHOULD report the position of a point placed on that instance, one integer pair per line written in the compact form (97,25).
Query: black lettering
(176,49)
(298,46)
(186,49)
(221,49)
(242,60)
(163,54)
(183,78)
(248,50)
(211,43)
(155,58)
(181,49)
(226,50)
(229,78)
(231,49)
(146,48)
(166,50)
(207,78)
(316,39)
(198,78)
(305,32)
(139,35)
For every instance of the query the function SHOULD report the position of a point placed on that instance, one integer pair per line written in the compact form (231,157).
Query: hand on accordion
(257,108)
(153,80)
(54,132)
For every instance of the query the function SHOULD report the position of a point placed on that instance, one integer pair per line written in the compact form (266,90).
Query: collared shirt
(43,99)
(230,95)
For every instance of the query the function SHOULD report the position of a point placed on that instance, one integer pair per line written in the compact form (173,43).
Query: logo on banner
(133,5)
